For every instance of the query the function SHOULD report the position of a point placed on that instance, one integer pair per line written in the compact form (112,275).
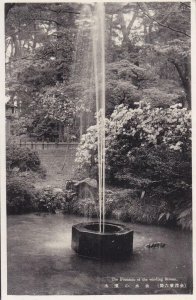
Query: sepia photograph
(98,139)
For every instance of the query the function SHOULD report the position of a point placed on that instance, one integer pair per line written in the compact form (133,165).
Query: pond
(41,261)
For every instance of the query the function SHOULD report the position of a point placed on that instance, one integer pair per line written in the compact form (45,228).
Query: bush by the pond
(183,213)
(121,204)
(85,207)
(124,205)
(51,199)
(184,219)
(22,158)
(149,150)
(127,205)
(130,133)
(21,196)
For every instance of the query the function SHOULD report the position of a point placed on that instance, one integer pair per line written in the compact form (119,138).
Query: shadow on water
(41,261)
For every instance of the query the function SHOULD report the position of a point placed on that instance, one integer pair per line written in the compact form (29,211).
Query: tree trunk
(185,79)
(16,46)
(126,30)
(81,125)
(34,37)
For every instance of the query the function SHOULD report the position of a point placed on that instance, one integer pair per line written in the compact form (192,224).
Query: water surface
(41,261)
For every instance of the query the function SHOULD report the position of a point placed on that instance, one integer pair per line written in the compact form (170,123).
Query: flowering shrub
(129,129)
(147,149)
(148,127)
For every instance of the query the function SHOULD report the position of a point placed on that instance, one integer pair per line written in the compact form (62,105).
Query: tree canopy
(147,58)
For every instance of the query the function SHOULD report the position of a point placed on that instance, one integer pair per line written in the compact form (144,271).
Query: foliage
(167,43)
(50,200)
(19,126)
(21,196)
(159,98)
(129,129)
(126,205)
(142,140)
(85,207)
(22,158)
(184,219)
(42,127)
(147,57)
(147,149)
(39,58)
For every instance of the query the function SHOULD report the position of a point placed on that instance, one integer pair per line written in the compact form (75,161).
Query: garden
(154,143)
(147,145)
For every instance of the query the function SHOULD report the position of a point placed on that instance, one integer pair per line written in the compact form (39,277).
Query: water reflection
(41,261)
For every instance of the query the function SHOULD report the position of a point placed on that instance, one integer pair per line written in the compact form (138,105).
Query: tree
(40,44)
(171,35)
(147,58)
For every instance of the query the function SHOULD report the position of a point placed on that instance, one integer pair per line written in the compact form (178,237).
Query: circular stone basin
(116,243)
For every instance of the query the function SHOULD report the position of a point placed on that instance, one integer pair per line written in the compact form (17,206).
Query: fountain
(101,240)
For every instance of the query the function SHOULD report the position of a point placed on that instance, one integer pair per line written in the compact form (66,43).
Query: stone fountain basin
(116,243)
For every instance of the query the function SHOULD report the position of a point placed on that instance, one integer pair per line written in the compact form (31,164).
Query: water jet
(100,240)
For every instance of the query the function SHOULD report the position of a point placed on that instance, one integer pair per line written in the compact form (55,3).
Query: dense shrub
(21,196)
(85,207)
(23,167)
(154,143)
(50,200)
(184,219)
(147,149)
(126,205)
(22,158)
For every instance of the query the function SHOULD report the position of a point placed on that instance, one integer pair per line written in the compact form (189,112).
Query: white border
(3,164)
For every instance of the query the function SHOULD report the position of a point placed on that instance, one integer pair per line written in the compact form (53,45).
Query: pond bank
(41,261)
